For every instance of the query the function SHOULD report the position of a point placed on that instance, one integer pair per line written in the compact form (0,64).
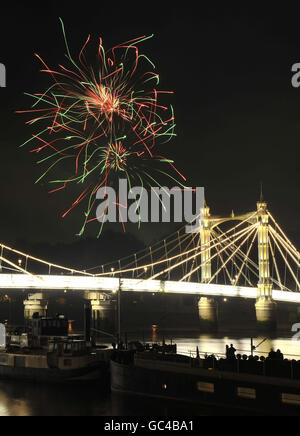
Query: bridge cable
(242,257)
(233,254)
(187,253)
(286,261)
(241,234)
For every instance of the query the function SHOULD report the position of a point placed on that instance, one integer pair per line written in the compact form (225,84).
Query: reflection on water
(10,406)
(25,399)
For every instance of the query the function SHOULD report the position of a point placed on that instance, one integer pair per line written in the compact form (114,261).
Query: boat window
(205,387)
(247,393)
(290,399)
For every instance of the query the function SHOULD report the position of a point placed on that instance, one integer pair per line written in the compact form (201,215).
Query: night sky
(237,114)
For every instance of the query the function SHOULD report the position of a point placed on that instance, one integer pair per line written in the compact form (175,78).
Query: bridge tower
(265,305)
(35,304)
(207,307)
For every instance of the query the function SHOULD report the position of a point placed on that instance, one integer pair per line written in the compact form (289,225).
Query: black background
(237,113)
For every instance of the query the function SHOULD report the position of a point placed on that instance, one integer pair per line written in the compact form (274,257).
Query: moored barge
(45,353)
(261,386)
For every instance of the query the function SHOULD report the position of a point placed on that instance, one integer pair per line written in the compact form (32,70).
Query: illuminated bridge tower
(208,309)
(265,305)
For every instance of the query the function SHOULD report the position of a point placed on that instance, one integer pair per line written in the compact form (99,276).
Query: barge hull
(97,373)
(215,388)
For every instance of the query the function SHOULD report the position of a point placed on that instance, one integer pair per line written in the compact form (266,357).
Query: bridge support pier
(103,310)
(208,314)
(36,304)
(266,314)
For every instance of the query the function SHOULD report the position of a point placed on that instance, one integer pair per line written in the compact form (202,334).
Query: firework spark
(101,121)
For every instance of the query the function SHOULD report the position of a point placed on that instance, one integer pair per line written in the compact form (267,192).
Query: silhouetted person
(227,351)
(279,355)
(272,354)
(231,352)
(121,346)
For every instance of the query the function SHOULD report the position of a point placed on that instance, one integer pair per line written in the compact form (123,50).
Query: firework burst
(101,121)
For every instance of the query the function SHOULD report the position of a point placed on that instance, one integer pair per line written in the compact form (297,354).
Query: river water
(27,399)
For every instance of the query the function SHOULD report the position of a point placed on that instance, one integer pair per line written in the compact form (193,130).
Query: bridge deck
(110,284)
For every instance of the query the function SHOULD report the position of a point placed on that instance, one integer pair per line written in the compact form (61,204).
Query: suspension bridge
(245,256)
